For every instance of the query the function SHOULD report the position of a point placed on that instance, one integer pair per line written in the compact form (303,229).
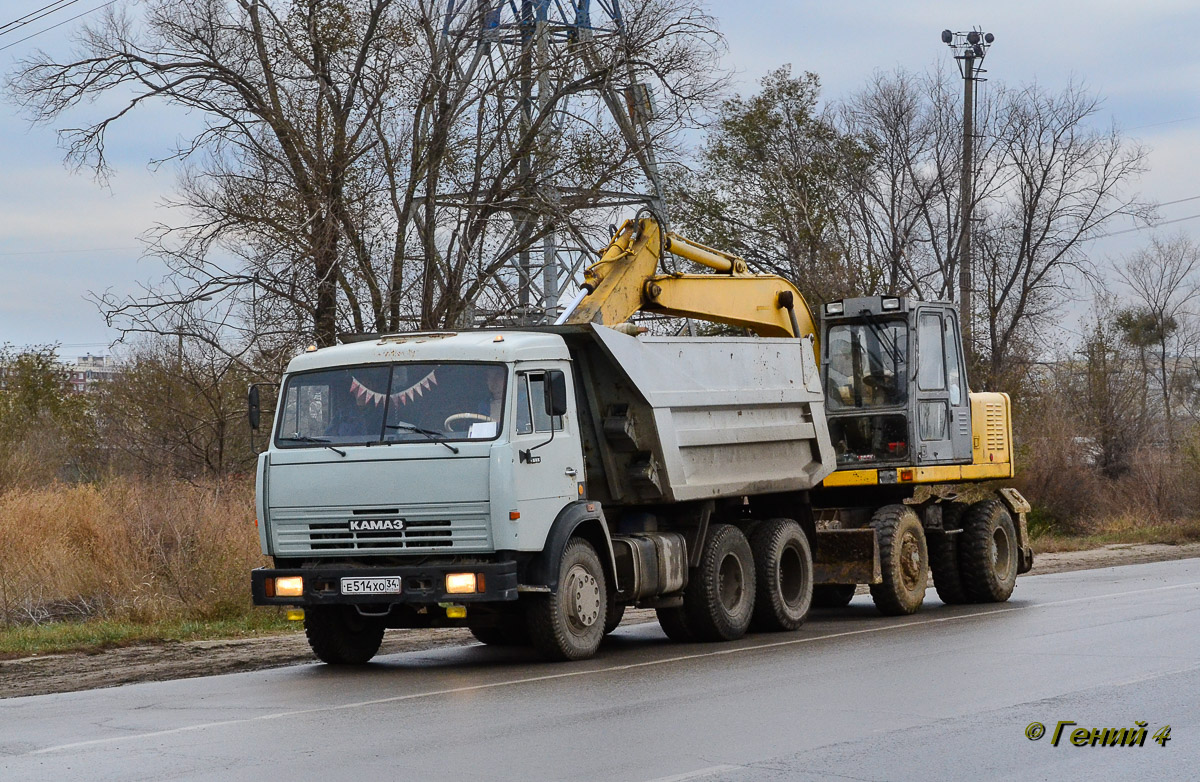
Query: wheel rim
(910,562)
(791,576)
(584,598)
(1001,551)
(731,584)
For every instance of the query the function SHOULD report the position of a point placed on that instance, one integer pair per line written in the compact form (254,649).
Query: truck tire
(987,552)
(943,557)
(339,635)
(568,624)
(784,575)
(673,622)
(719,598)
(903,558)
(833,595)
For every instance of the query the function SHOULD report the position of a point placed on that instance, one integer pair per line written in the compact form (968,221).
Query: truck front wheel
(569,623)
(903,559)
(784,570)
(339,635)
(719,598)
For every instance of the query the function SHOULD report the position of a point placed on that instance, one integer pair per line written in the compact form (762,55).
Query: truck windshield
(392,403)
(865,365)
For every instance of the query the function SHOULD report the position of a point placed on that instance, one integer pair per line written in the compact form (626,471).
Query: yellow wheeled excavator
(898,414)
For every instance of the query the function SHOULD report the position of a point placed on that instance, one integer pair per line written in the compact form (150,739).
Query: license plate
(376,585)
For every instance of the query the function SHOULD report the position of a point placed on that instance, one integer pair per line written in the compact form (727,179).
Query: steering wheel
(471,417)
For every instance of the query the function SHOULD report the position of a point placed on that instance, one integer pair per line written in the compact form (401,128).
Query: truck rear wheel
(904,560)
(943,557)
(987,552)
(719,598)
(568,624)
(833,595)
(784,574)
(673,622)
(339,635)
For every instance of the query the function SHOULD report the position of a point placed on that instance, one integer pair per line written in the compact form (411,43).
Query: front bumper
(420,584)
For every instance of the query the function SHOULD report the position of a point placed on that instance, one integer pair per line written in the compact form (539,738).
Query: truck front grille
(460,527)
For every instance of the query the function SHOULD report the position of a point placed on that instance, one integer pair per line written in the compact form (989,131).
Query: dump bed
(670,419)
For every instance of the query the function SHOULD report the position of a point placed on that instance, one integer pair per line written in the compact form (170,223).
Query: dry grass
(98,634)
(1118,529)
(136,551)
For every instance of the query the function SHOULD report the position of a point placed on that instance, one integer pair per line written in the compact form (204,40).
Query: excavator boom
(626,280)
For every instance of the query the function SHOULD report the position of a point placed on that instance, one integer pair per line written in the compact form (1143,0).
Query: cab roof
(503,346)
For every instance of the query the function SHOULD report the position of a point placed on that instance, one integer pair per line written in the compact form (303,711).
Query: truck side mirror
(556,392)
(253,407)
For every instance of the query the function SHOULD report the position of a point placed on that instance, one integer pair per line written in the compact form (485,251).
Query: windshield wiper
(434,436)
(303,438)
(876,324)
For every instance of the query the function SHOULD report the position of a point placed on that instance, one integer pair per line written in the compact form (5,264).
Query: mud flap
(846,556)
(1018,506)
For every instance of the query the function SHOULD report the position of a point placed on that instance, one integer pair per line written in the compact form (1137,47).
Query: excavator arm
(626,280)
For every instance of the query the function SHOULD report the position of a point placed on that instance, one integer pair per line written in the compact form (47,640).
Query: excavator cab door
(941,412)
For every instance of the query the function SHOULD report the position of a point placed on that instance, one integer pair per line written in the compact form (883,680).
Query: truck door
(548,471)
(942,421)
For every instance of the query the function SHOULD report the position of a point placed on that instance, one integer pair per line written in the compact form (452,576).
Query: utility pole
(970,48)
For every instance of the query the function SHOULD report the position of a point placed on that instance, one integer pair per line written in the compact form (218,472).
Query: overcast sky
(62,235)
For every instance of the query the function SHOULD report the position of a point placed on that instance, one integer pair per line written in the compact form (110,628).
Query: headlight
(460,583)
(289,586)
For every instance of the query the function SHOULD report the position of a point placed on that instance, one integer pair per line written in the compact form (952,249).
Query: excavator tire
(987,552)
(904,560)
(943,557)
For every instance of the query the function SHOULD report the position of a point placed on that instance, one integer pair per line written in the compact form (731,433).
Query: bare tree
(348,176)
(770,185)
(1062,183)
(1164,279)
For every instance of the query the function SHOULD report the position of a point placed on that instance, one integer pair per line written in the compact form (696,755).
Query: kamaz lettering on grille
(376,525)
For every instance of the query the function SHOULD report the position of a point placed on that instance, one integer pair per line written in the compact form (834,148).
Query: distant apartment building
(87,371)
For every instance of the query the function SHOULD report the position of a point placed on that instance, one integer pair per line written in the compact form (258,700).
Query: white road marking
(592,671)
(700,772)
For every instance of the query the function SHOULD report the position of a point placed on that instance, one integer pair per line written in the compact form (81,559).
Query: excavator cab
(895,383)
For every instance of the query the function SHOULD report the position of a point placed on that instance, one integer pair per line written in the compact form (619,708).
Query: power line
(60,24)
(66,252)
(1159,124)
(1144,227)
(33,16)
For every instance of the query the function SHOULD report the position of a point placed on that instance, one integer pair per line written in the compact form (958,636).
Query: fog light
(891,304)
(460,583)
(456,612)
(294,614)
(289,586)
(835,308)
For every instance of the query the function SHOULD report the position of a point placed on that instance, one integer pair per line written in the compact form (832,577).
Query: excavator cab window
(866,364)
(866,389)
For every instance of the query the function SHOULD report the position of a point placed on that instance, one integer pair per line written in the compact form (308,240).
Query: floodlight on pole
(969,50)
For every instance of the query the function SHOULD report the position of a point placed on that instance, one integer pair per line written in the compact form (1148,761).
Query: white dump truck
(529,484)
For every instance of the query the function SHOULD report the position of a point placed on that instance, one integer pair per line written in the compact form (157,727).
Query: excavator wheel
(904,560)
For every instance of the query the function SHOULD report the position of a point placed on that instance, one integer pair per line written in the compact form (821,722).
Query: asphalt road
(945,694)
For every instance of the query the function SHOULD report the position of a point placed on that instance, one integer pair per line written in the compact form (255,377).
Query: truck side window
(531,389)
(524,419)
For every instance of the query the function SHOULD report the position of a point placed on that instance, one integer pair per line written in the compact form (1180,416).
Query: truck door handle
(570,471)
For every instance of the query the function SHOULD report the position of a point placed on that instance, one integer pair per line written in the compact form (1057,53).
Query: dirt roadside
(46,674)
